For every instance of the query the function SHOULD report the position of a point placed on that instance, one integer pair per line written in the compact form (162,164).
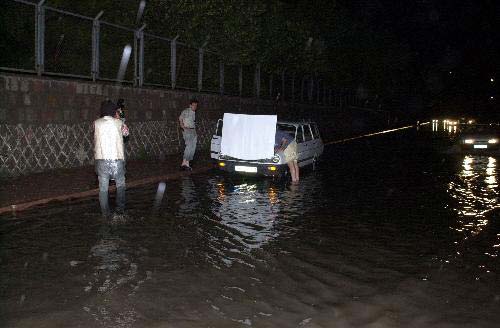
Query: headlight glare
(469,141)
(493,141)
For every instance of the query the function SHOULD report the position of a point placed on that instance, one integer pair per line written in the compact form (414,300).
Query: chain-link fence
(187,67)
(231,79)
(211,71)
(248,81)
(116,62)
(157,60)
(18,47)
(36,148)
(68,44)
(46,40)
(264,84)
(277,86)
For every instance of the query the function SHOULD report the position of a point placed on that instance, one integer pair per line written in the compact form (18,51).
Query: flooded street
(387,232)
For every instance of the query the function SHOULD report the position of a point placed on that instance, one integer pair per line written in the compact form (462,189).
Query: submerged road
(387,232)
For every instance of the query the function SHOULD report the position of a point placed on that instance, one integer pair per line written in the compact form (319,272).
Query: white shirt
(188,117)
(108,138)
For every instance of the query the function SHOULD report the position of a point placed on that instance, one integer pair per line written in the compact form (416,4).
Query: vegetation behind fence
(44,40)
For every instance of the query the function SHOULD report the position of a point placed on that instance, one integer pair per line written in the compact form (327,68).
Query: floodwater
(387,232)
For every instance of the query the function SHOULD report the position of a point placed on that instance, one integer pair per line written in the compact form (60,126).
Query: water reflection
(249,210)
(115,278)
(254,213)
(475,192)
(189,205)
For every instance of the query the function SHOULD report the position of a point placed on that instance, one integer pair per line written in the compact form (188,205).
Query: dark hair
(120,103)
(108,108)
(193,101)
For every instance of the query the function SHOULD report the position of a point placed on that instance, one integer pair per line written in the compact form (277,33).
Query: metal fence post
(173,61)
(139,56)
(221,77)
(200,69)
(257,80)
(40,37)
(96,27)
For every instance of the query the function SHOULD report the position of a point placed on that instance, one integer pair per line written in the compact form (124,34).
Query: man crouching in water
(109,157)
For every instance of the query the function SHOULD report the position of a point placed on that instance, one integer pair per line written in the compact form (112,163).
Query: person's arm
(181,120)
(283,144)
(95,135)
(125,131)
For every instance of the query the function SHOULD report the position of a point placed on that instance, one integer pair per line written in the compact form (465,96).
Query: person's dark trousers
(111,170)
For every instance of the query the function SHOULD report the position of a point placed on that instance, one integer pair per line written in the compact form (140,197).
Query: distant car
(480,137)
(309,149)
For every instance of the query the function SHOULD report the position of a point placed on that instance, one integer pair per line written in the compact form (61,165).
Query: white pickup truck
(248,146)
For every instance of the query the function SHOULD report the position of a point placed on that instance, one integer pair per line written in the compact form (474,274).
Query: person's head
(108,108)
(193,103)
(120,113)
(121,103)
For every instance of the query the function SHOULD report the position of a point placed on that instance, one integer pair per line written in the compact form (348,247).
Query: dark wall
(34,100)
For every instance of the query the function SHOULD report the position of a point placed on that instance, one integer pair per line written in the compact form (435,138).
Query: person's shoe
(185,168)
(119,217)
(106,214)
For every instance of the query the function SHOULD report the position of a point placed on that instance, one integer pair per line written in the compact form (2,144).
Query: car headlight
(469,141)
(276,158)
(493,141)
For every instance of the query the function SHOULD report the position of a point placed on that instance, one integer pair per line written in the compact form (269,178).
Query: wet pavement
(387,232)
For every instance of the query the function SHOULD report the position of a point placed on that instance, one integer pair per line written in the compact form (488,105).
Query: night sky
(439,32)
(455,47)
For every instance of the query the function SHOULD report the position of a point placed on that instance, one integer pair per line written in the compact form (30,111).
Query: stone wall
(46,123)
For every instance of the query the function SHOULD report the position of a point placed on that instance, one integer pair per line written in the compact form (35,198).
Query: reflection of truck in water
(254,148)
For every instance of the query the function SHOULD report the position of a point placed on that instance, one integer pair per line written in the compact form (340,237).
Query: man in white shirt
(109,157)
(187,121)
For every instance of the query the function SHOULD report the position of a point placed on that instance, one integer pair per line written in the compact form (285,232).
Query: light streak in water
(476,196)
(273,195)
(473,200)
